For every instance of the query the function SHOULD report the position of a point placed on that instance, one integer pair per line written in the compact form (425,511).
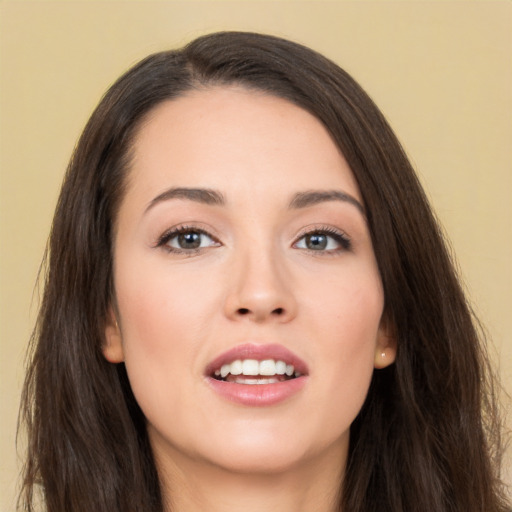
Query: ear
(385,349)
(112,345)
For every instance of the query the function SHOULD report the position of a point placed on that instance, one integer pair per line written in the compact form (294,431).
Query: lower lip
(257,395)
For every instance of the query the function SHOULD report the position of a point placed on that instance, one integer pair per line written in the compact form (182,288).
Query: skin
(254,280)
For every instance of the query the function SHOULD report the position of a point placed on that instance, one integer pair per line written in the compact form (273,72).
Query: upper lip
(259,352)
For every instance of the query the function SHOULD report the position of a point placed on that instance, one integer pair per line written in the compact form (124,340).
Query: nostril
(247,311)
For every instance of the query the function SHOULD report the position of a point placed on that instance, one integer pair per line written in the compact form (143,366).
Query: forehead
(233,139)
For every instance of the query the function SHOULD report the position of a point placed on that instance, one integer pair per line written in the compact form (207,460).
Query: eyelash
(338,236)
(172,233)
(341,238)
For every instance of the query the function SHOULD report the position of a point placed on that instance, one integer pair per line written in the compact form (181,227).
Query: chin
(272,452)
(263,461)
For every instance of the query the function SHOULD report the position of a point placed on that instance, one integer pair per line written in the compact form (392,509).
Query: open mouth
(252,371)
(257,375)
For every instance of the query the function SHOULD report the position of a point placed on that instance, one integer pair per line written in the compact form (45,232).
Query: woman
(249,304)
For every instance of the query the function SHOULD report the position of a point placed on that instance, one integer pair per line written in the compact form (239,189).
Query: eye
(323,241)
(186,239)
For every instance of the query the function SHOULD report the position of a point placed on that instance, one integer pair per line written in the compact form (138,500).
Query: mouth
(257,375)
(253,371)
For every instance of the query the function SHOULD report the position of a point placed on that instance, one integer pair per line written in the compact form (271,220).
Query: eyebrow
(199,195)
(215,198)
(312,197)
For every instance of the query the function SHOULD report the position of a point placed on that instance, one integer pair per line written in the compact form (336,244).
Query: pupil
(189,240)
(316,242)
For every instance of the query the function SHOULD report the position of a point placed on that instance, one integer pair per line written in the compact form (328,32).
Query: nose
(260,290)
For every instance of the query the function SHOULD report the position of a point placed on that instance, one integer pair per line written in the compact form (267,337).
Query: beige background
(440,70)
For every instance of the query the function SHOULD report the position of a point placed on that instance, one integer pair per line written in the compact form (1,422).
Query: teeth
(247,381)
(280,367)
(236,367)
(224,370)
(241,380)
(252,367)
(267,367)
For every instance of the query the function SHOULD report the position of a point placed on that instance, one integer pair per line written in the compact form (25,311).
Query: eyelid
(178,229)
(339,235)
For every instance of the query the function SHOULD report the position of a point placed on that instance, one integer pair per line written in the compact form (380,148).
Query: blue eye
(186,239)
(323,241)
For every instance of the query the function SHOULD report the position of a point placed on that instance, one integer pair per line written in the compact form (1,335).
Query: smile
(257,375)
(252,371)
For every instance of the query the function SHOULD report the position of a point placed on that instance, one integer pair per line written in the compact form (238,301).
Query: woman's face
(242,249)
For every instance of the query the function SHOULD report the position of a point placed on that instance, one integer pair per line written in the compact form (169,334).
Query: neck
(194,486)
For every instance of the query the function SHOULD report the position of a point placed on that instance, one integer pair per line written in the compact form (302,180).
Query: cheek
(348,315)
(161,325)
(158,304)
(348,307)
(162,322)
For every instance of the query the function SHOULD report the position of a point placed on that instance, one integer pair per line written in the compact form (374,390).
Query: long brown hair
(427,435)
